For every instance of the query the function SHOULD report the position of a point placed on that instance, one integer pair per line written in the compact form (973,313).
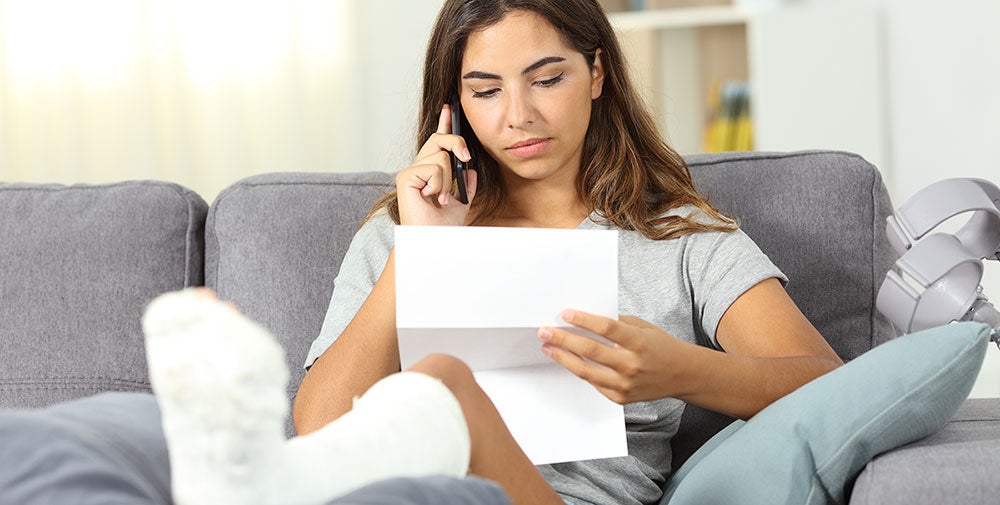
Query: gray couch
(79,263)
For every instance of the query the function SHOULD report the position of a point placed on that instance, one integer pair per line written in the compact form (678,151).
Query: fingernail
(567,315)
(544,333)
(445,198)
(546,350)
(465,155)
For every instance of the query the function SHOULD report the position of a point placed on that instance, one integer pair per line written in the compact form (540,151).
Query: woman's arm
(365,352)
(367,349)
(771,350)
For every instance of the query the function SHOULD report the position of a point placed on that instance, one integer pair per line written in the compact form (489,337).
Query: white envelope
(481,293)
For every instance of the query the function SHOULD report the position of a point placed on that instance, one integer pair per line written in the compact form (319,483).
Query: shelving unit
(687,17)
(708,44)
(815,72)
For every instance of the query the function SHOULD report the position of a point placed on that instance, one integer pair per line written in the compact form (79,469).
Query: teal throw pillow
(808,447)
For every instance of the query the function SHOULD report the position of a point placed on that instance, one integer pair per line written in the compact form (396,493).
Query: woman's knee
(447,368)
(456,376)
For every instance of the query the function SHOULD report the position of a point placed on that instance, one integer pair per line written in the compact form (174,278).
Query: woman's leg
(220,387)
(102,449)
(220,380)
(495,454)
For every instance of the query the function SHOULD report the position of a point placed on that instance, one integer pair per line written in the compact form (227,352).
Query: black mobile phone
(457,165)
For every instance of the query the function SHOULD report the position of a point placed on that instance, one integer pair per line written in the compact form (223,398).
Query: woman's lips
(528,148)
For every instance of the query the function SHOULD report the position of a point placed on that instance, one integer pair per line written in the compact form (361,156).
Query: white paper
(481,293)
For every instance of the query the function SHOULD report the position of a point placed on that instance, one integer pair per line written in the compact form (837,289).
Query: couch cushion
(274,243)
(99,450)
(808,447)
(79,263)
(820,217)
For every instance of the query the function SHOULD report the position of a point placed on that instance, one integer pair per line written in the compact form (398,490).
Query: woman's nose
(520,110)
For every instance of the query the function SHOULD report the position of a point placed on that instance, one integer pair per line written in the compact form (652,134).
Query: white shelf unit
(679,18)
(816,73)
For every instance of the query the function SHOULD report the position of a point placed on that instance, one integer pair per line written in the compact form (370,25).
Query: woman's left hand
(639,366)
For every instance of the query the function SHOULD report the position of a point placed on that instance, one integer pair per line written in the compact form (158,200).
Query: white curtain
(200,92)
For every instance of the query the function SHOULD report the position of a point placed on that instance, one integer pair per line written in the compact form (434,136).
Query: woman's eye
(485,94)
(550,82)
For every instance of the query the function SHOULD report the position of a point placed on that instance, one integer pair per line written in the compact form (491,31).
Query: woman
(558,138)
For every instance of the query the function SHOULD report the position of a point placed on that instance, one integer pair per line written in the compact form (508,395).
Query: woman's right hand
(424,188)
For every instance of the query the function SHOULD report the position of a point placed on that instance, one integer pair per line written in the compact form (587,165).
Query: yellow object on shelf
(729,127)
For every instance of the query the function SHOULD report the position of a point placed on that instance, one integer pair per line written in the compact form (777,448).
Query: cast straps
(938,278)
(943,200)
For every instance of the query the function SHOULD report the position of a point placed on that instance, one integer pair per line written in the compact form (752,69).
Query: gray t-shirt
(683,285)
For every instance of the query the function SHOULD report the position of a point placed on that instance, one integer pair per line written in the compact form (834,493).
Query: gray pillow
(102,449)
(78,265)
(434,490)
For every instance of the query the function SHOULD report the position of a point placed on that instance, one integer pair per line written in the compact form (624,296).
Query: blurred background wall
(204,92)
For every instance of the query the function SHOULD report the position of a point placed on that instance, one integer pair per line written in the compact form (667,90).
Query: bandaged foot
(220,382)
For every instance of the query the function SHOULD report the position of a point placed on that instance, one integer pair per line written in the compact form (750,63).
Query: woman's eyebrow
(542,62)
(476,74)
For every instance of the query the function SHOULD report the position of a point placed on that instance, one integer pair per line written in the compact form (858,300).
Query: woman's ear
(597,75)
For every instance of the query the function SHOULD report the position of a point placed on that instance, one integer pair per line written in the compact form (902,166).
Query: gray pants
(109,449)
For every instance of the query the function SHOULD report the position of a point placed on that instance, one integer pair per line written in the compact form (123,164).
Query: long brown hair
(628,174)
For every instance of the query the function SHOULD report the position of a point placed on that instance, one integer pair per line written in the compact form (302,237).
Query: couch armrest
(956,465)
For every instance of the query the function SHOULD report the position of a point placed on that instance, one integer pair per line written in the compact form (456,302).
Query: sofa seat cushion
(77,266)
(957,465)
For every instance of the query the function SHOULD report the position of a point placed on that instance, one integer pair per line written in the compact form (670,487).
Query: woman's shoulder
(691,213)
(686,212)
(377,230)
(378,222)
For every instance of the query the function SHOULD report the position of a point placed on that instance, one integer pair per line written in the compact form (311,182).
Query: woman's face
(527,96)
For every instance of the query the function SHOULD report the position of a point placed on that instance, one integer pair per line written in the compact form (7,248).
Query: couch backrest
(78,264)
(820,217)
(274,244)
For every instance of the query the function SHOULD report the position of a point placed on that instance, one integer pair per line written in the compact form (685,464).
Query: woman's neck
(538,204)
